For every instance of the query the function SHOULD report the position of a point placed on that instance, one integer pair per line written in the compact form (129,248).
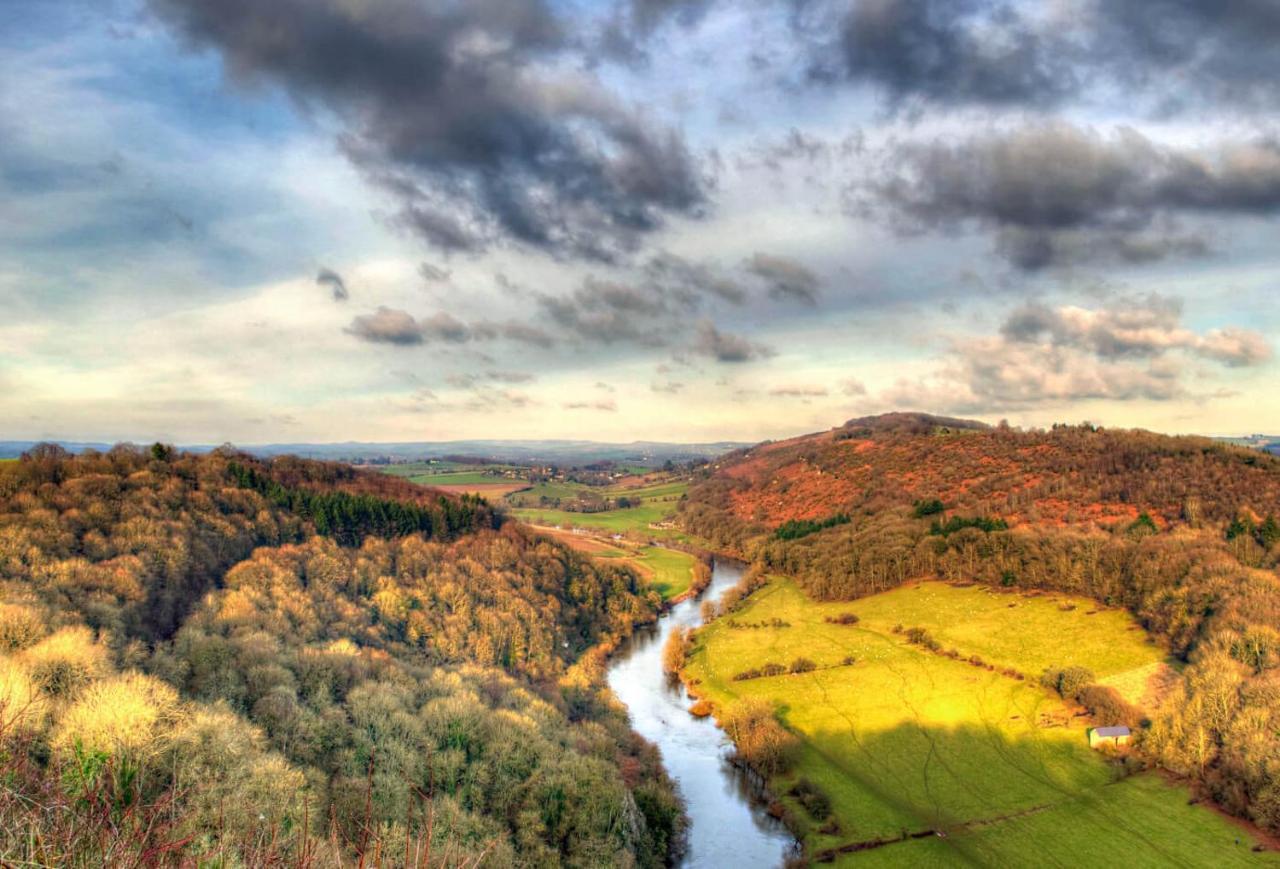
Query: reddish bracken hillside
(1068,476)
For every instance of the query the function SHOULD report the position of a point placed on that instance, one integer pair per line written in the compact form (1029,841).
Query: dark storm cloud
(952,51)
(465,114)
(785,279)
(1055,194)
(334,283)
(725,346)
(1166,54)
(1224,51)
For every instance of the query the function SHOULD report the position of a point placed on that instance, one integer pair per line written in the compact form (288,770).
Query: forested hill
(1181,531)
(1069,476)
(220,659)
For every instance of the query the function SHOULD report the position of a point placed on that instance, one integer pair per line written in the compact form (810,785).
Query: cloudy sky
(289,220)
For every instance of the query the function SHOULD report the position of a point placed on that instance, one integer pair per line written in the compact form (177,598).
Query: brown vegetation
(216,660)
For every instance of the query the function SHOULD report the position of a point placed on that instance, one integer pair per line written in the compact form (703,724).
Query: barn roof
(1118,730)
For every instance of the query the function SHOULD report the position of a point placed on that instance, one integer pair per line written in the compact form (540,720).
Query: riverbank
(728,824)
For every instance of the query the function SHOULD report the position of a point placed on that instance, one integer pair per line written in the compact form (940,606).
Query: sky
(268,221)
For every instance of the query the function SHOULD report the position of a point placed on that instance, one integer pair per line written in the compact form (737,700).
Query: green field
(413,469)
(906,740)
(658,503)
(620,521)
(672,571)
(533,495)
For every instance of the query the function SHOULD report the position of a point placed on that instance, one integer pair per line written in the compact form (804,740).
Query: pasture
(905,741)
(658,503)
(668,571)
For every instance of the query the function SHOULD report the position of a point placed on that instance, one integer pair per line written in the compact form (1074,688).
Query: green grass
(532,495)
(630,519)
(658,503)
(459,478)
(905,739)
(672,570)
(411,469)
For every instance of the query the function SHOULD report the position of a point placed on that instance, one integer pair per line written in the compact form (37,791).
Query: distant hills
(559,452)
(1270,443)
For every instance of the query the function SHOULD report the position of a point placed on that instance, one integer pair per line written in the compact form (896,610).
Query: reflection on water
(726,829)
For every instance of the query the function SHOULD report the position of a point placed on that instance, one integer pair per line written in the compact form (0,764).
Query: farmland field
(903,740)
(658,502)
(669,572)
(460,479)
(630,519)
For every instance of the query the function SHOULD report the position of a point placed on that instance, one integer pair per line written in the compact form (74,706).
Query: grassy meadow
(670,571)
(901,739)
(658,502)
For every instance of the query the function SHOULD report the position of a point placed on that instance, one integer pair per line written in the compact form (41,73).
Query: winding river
(726,828)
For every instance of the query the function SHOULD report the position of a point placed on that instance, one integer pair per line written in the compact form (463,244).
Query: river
(726,828)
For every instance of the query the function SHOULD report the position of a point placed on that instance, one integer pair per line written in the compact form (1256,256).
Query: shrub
(797,528)
(20,626)
(676,650)
(701,709)
(125,714)
(1067,681)
(761,741)
(802,665)
(815,802)
(22,707)
(959,523)
(842,619)
(64,662)
(921,637)
(1107,706)
(931,507)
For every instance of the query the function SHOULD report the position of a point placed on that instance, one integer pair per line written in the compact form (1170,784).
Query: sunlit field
(903,740)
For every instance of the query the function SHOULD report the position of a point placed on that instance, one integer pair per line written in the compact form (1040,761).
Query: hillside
(1068,476)
(1182,532)
(221,660)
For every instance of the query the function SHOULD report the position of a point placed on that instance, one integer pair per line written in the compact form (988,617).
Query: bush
(802,665)
(676,650)
(959,523)
(842,619)
(761,741)
(1107,706)
(122,715)
(1066,681)
(921,637)
(931,507)
(797,528)
(65,661)
(815,802)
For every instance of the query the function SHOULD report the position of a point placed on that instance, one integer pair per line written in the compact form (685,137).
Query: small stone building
(1109,736)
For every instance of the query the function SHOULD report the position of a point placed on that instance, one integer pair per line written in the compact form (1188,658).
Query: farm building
(1108,736)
